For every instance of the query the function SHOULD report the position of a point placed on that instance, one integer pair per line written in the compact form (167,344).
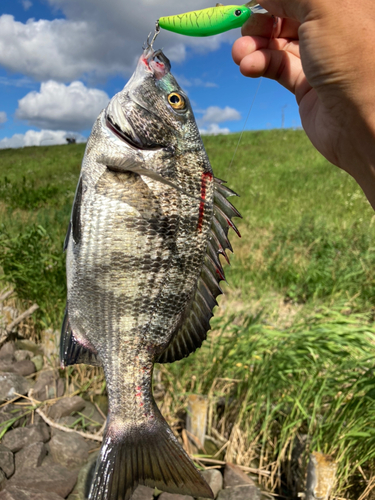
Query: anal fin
(72,352)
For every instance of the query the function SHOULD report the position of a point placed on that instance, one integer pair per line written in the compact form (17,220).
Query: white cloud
(215,114)
(27,4)
(194,82)
(57,106)
(214,129)
(3,117)
(42,137)
(96,39)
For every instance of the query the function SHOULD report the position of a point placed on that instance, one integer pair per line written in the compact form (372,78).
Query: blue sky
(62,60)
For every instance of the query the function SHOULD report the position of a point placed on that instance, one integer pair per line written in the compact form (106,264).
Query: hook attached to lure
(210,21)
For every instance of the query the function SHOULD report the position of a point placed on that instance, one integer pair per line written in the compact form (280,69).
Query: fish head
(152,111)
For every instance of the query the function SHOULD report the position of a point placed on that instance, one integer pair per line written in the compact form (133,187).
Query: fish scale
(143,271)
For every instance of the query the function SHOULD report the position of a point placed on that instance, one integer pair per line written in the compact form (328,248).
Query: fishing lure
(210,21)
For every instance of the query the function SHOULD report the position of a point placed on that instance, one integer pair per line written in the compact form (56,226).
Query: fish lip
(126,137)
(155,62)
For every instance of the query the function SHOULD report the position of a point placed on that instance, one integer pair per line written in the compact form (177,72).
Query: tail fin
(144,454)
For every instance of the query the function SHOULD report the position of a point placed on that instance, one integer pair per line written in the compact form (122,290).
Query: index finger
(264,25)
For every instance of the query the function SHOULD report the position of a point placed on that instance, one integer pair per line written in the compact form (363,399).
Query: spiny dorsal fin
(193,328)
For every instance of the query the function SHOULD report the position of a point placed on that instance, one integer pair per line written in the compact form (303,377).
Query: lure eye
(237,12)
(176,101)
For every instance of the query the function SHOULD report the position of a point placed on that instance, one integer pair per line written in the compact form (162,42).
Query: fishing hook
(150,41)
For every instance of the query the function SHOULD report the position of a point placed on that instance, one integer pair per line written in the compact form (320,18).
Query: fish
(148,223)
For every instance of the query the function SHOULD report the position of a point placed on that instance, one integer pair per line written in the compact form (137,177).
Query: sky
(61,61)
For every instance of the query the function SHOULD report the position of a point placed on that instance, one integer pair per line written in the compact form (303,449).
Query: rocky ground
(42,458)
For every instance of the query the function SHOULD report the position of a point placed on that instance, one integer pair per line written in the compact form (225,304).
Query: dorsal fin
(71,351)
(194,325)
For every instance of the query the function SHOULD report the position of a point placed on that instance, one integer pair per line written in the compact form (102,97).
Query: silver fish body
(143,272)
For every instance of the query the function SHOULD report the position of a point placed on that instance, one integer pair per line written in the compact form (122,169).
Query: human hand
(322,52)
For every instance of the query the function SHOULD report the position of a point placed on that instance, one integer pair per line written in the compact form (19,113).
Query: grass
(290,357)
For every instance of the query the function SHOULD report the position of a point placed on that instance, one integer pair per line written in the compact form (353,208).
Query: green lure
(210,21)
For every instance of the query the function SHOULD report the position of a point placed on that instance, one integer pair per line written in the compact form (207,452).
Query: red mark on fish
(206,176)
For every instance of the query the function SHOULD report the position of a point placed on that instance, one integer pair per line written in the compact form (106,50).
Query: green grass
(291,353)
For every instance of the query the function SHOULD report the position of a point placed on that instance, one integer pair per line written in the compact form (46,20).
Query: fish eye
(176,101)
(237,12)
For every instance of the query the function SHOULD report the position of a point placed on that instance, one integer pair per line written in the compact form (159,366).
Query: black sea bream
(148,223)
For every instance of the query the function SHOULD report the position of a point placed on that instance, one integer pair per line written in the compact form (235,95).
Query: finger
(263,25)
(293,9)
(282,66)
(249,44)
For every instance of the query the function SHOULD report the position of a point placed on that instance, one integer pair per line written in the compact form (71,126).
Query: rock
(66,406)
(6,461)
(3,480)
(48,386)
(24,368)
(7,351)
(68,421)
(69,449)
(38,362)
(234,476)
(85,477)
(174,496)
(11,383)
(94,420)
(21,355)
(31,456)
(54,479)
(145,493)
(214,479)
(29,345)
(245,492)
(16,439)
(13,493)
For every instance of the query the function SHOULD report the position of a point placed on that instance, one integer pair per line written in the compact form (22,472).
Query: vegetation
(290,358)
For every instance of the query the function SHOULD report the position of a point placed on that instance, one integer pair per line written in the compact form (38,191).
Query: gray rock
(11,383)
(66,406)
(175,496)
(246,492)
(31,456)
(48,386)
(69,449)
(7,351)
(6,461)
(234,476)
(16,439)
(21,355)
(144,493)
(214,479)
(85,478)
(23,368)
(29,345)
(38,362)
(3,480)
(13,493)
(54,479)
(67,421)
(94,419)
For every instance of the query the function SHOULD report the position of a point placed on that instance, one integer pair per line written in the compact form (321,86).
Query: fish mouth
(156,62)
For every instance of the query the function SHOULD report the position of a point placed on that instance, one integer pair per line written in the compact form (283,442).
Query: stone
(31,456)
(214,479)
(11,383)
(69,449)
(16,439)
(174,496)
(94,419)
(6,461)
(7,351)
(29,345)
(234,476)
(12,493)
(21,355)
(38,362)
(48,386)
(56,479)
(3,480)
(23,368)
(245,492)
(85,477)
(144,493)
(66,406)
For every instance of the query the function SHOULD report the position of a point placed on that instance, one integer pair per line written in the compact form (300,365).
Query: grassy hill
(291,351)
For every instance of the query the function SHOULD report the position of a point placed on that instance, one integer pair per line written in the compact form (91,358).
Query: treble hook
(150,41)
